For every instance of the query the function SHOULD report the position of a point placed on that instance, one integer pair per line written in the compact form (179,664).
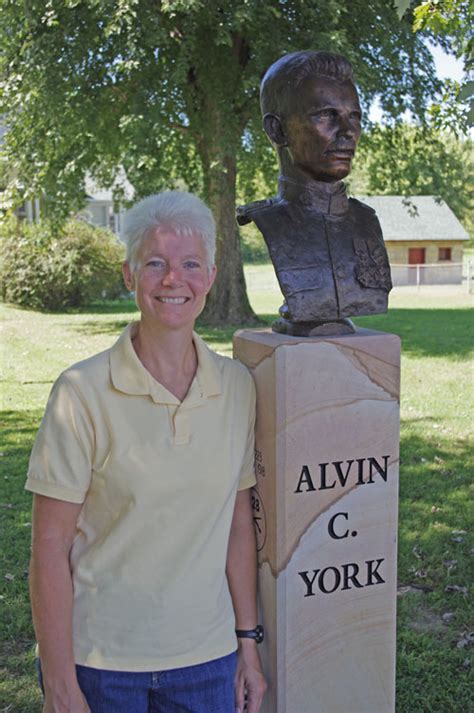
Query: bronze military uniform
(327,250)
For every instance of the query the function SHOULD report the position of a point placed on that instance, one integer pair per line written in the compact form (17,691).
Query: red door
(416,256)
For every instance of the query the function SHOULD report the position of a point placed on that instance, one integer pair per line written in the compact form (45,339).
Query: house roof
(415,218)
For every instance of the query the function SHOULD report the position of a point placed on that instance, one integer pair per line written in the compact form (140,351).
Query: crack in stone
(255,364)
(349,352)
(353,356)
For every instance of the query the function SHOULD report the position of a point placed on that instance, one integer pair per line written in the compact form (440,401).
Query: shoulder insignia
(244,212)
(361,205)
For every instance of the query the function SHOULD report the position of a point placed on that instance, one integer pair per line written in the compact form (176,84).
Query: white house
(100,210)
(99,206)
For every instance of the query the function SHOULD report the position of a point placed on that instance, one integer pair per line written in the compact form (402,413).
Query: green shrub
(47,269)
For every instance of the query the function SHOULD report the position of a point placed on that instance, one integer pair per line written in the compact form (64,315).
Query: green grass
(435,488)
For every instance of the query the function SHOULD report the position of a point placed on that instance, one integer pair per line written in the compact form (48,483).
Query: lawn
(436,512)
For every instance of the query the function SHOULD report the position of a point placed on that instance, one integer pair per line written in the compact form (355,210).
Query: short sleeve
(247,472)
(61,460)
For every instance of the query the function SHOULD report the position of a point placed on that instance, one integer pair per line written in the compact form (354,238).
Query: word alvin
(338,472)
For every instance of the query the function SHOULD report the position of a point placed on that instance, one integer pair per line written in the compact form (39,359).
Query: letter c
(331,526)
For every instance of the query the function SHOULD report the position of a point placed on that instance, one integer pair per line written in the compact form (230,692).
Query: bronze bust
(327,249)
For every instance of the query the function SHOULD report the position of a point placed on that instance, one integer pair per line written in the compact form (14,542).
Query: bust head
(311,113)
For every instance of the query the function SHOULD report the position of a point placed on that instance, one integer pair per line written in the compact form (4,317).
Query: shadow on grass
(109,307)
(219,335)
(427,332)
(19,691)
(122,306)
(92,327)
(18,430)
(212,335)
(434,552)
(424,332)
(435,504)
(222,334)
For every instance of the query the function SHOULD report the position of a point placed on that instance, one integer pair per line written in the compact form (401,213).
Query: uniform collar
(130,376)
(328,198)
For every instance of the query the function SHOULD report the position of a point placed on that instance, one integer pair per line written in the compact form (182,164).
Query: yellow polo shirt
(157,478)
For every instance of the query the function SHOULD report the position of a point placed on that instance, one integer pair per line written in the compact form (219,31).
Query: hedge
(52,269)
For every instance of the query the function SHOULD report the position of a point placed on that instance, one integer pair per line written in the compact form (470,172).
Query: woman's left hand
(249,678)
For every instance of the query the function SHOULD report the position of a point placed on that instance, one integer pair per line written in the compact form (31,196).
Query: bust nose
(348,128)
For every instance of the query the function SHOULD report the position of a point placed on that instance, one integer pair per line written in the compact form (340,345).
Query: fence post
(418,276)
(469,276)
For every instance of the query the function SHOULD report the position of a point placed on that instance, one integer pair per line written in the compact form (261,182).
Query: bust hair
(283,77)
(179,212)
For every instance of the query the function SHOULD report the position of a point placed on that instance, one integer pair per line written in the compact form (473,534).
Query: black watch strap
(256,634)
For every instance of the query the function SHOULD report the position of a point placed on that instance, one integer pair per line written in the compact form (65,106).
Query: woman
(143,557)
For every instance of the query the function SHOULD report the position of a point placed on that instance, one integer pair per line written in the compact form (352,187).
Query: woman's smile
(173,300)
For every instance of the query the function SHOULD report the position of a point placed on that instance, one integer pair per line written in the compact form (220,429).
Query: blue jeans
(203,688)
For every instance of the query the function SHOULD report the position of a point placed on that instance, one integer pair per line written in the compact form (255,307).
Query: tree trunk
(227,302)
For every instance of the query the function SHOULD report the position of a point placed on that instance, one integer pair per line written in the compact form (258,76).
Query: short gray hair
(177,211)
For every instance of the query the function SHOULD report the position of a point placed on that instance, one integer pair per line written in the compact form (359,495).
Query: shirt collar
(130,376)
(325,197)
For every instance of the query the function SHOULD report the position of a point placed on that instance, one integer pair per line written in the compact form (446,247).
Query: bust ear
(274,129)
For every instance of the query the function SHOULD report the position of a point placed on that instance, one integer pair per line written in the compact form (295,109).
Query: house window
(444,254)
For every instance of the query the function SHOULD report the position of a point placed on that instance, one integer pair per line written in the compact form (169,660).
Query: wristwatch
(256,634)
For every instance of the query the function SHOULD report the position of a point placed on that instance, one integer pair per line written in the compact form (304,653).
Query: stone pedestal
(325,509)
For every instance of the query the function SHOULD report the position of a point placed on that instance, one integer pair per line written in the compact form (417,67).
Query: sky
(447,66)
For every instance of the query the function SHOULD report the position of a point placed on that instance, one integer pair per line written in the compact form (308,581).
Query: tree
(169,91)
(451,19)
(406,159)
(450,23)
